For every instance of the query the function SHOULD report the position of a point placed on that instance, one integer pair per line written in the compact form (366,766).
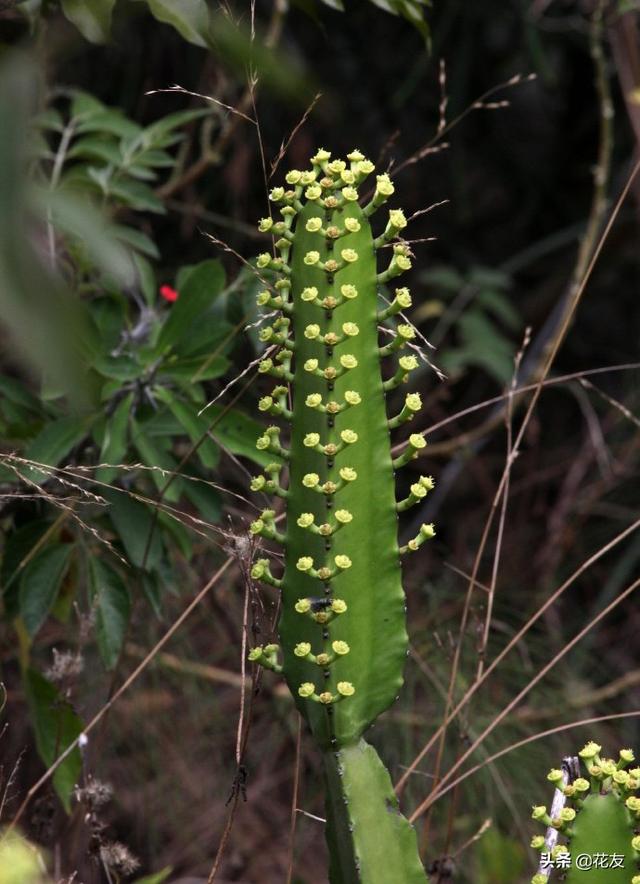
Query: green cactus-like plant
(597,818)
(342,627)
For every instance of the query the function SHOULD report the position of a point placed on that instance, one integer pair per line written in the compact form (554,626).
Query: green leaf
(113,607)
(95,147)
(196,368)
(189,17)
(40,584)
(16,392)
(146,279)
(56,726)
(238,433)
(136,528)
(198,289)
(17,547)
(195,427)
(500,305)
(136,239)
(136,195)
(114,443)
(156,878)
(206,499)
(165,125)
(91,17)
(54,443)
(154,456)
(108,121)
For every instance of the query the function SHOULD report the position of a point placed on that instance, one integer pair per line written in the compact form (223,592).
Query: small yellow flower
(408,363)
(307,689)
(347,360)
(302,649)
(403,297)
(350,329)
(397,219)
(342,562)
(311,258)
(413,402)
(338,606)
(311,480)
(352,225)
(345,689)
(311,440)
(343,517)
(352,398)
(312,331)
(302,606)
(384,185)
(340,648)
(349,292)
(310,293)
(276,194)
(313,192)
(349,437)
(313,225)
(305,520)
(313,400)
(293,177)
(304,563)
(349,255)
(350,194)
(348,474)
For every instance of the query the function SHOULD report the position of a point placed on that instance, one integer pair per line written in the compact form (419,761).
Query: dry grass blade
(429,800)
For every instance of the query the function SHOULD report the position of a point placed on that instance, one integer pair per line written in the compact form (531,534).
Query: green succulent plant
(343,639)
(593,821)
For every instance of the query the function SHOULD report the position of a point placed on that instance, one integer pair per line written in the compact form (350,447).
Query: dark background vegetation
(520,173)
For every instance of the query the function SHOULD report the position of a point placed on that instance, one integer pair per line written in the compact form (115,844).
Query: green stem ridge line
(342,631)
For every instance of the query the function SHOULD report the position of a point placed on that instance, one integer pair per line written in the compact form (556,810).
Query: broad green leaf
(154,456)
(91,17)
(198,289)
(56,726)
(54,443)
(195,427)
(49,119)
(146,279)
(84,105)
(18,393)
(109,121)
(189,17)
(40,584)
(180,535)
(195,368)
(500,305)
(138,531)
(137,240)
(115,440)
(206,499)
(166,125)
(136,195)
(238,433)
(443,277)
(156,878)
(95,147)
(112,604)
(17,546)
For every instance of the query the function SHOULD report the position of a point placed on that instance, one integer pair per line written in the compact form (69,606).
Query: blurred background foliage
(138,140)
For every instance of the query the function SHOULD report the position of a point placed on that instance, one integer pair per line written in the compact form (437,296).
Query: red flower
(168,293)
